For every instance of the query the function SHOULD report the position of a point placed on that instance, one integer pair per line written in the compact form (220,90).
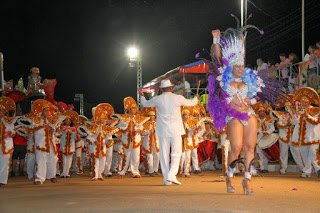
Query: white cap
(166,83)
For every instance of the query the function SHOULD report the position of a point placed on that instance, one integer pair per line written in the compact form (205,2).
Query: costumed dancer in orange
(188,140)
(150,144)
(266,128)
(109,141)
(131,125)
(306,133)
(80,147)
(98,132)
(7,115)
(285,125)
(68,131)
(46,122)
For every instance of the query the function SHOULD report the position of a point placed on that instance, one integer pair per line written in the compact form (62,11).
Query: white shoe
(175,181)
(167,183)
(305,175)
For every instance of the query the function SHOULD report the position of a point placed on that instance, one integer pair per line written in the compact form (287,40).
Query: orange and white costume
(150,144)
(6,138)
(80,147)
(131,127)
(188,140)
(285,127)
(68,142)
(98,134)
(44,138)
(306,133)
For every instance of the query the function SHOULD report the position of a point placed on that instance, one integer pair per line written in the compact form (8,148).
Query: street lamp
(135,60)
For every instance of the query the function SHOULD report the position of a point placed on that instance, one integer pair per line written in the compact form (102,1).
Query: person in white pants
(150,144)
(131,125)
(30,158)
(266,127)
(169,128)
(46,122)
(6,137)
(68,141)
(109,147)
(285,128)
(199,113)
(190,125)
(117,156)
(99,133)
(306,133)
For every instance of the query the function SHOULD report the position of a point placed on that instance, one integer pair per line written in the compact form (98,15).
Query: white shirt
(169,121)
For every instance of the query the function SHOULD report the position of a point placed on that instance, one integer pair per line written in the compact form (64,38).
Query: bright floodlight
(133,52)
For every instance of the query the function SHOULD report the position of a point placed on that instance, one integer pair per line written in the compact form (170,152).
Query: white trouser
(263,159)
(309,157)
(153,161)
(46,165)
(31,163)
(66,164)
(5,160)
(108,161)
(187,162)
(77,160)
(296,154)
(165,143)
(195,161)
(284,149)
(132,159)
(98,166)
(182,160)
(117,157)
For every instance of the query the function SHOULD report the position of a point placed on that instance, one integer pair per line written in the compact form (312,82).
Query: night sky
(83,43)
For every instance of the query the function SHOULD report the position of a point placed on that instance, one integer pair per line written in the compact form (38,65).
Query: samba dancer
(231,104)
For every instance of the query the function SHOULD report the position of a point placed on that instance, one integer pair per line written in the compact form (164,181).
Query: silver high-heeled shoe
(230,188)
(246,189)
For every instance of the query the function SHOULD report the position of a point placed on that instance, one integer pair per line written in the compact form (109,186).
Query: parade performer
(80,147)
(198,114)
(285,126)
(97,133)
(232,90)
(7,115)
(109,142)
(68,131)
(188,140)
(306,133)
(131,125)
(266,128)
(46,121)
(150,144)
(169,128)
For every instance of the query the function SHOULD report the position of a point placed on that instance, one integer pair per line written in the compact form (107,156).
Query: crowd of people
(171,130)
(288,68)
(54,141)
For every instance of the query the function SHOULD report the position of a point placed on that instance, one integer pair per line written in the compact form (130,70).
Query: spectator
(272,69)
(293,59)
(283,67)
(312,70)
(261,65)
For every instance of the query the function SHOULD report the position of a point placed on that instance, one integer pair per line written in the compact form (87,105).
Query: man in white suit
(169,128)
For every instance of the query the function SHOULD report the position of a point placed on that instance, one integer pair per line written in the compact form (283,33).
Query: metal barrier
(302,74)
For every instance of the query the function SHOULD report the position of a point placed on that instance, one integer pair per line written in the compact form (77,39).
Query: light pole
(135,60)
(79,97)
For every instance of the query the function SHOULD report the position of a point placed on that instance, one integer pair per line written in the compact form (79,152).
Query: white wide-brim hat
(166,83)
